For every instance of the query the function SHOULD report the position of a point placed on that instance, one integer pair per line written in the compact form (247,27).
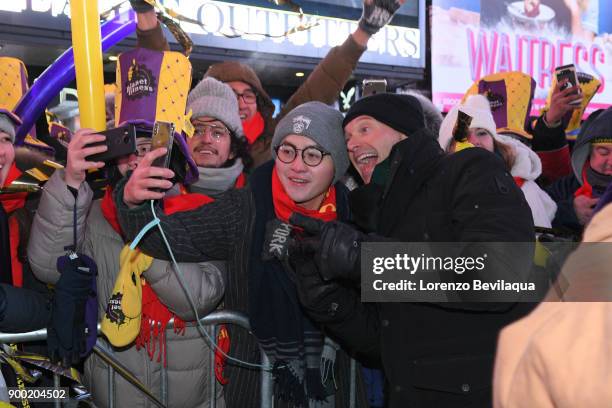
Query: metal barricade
(211,322)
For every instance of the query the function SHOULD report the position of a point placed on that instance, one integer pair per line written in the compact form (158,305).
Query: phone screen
(163,136)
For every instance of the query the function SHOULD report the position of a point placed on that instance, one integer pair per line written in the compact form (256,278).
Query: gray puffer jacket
(188,356)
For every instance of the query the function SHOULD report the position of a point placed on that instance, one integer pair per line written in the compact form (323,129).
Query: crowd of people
(267,216)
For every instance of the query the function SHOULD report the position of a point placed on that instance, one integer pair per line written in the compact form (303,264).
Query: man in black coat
(433,355)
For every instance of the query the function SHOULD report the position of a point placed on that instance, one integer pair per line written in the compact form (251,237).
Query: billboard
(236,26)
(475,38)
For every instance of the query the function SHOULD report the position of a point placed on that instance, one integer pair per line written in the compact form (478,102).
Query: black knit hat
(400,112)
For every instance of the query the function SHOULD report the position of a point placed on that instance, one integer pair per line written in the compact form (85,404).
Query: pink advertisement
(475,38)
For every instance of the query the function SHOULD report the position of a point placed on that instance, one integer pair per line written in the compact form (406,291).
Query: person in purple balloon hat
(144,96)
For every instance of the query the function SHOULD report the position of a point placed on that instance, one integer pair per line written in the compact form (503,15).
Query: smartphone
(120,141)
(461,129)
(567,74)
(373,87)
(163,136)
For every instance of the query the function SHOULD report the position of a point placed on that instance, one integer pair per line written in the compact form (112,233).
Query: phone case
(121,141)
(568,72)
(163,136)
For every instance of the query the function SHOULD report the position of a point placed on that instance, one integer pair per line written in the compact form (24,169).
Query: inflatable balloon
(86,46)
(61,73)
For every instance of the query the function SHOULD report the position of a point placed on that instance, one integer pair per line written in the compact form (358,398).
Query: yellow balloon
(87,46)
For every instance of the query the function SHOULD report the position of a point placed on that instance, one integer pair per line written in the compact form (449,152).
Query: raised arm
(330,75)
(52,228)
(148,29)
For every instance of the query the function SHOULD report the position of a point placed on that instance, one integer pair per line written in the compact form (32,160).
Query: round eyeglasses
(311,156)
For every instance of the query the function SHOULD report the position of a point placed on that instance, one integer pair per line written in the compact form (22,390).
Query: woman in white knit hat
(523,163)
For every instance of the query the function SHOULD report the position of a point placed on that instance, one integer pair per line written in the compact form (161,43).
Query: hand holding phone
(84,145)
(566,76)
(147,182)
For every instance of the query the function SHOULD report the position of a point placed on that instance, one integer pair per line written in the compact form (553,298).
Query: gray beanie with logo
(217,100)
(318,122)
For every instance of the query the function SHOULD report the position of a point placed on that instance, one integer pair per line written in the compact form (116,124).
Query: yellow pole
(87,46)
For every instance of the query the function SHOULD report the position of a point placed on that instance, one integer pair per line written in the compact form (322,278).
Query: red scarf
(519,181)
(586,189)
(155,315)
(240,181)
(284,206)
(12,202)
(254,127)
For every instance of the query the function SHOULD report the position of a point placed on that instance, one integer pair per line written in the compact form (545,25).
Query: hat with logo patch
(510,95)
(153,86)
(318,122)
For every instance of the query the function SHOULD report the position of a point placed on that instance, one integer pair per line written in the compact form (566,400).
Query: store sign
(262,29)
(483,37)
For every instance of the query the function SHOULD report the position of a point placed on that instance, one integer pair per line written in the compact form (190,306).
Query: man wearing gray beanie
(218,145)
(320,123)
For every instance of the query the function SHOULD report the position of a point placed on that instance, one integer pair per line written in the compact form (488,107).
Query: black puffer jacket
(435,355)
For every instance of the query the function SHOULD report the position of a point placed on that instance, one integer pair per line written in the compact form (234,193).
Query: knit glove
(140,6)
(336,246)
(66,334)
(276,240)
(376,14)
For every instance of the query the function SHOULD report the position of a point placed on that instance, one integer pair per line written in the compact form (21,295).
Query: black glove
(376,14)
(66,334)
(276,240)
(336,246)
(140,6)
(317,296)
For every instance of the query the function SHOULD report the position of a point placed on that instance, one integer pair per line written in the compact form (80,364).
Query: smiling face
(7,156)
(210,145)
(246,109)
(305,185)
(369,142)
(601,158)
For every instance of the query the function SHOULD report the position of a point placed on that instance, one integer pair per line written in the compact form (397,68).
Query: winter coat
(33,296)
(527,166)
(13,301)
(558,356)
(562,192)
(222,229)
(438,355)
(188,356)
